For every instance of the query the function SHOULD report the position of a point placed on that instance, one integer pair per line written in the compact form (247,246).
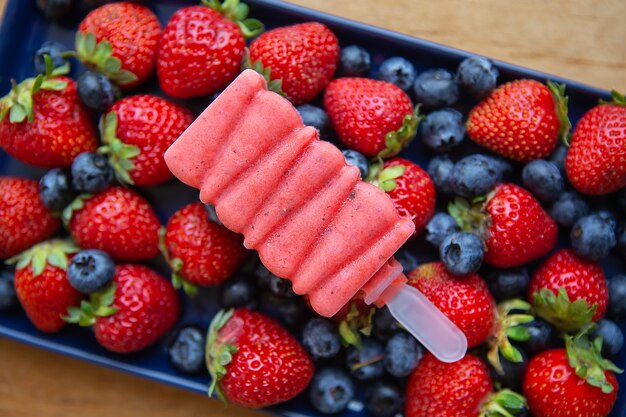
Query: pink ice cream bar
(297,202)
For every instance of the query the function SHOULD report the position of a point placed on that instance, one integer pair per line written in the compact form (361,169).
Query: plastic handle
(428,325)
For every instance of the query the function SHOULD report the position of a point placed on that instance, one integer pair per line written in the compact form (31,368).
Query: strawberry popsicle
(295,200)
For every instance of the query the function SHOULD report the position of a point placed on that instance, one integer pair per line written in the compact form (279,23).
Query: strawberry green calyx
(584,356)
(354,325)
(509,326)
(397,140)
(77,204)
(51,252)
(272,85)
(238,13)
(504,403)
(385,179)
(100,304)
(176,265)
(472,216)
(100,57)
(18,103)
(219,352)
(120,154)
(618,99)
(557,309)
(560,107)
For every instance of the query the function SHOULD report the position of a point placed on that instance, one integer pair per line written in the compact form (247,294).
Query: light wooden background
(583,40)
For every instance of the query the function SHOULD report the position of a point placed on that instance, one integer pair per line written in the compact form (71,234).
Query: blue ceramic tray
(23,29)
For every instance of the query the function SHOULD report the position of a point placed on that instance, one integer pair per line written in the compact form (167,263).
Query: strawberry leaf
(504,403)
(509,326)
(565,315)
(272,85)
(52,252)
(219,353)
(119,153)
(399,139)
(238,13)
(74,206)
(99,56)
(17,114)
(560,107)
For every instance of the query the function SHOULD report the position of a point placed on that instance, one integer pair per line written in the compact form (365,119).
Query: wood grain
(579,39)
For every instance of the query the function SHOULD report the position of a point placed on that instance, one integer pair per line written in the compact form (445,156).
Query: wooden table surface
(579,39)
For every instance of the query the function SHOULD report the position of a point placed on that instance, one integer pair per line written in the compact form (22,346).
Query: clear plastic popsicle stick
(428,325)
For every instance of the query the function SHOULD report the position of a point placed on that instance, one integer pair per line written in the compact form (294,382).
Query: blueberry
(399,71)
(402,354)
(96,91)
(621,244)
(439,227)
(8,297)
(477,75)
(593,237)
(407,259)
(544,180)
(568,208)
(506,284)
(366,363)
(617,297)
(91,172)
(621,200)
(290,312)
(56,10)
(354,61)
(542,337)
(316,117)
(436,88)
(384,400)
(55,189)
(558,158)
(608,216)
(475,175)
(612,337)
(321,338)
(462,253)
(512,373)
(331,390)
(276,285)
(186,352)
(212,214)
(90,270)
(442,129)
(55,51)
(239,291)
(440,170)
(384,325)
(358,160)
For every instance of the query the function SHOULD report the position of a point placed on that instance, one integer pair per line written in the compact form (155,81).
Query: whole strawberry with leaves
(118,221)
(136,132)
(572,382)
(513,226)
(299,60)
(466,300)
(373,117)
(410,188)
(41,283)
(522,119)
(24,220)
(462,388)
(203,46)
(43,122)
(568,291)
(245,347)
(120,40)
(132,313)
(595,159)
(199,251)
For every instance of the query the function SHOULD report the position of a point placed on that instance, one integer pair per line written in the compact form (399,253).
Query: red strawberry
(370,116)
(253,361)
(466,301)
(202,48)
(120,40)
(571,382)
(137,131)
(514,227)
(118,221)
(410,188)
(200,251)
(132,313)
(595,160)
(303,57)
(43,123)
(458,389)
(41,283)
(522,120)
(24,220)
(569,291)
